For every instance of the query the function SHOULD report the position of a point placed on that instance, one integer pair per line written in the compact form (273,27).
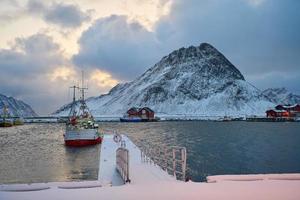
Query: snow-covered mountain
(16,108)
(191,81)
(281,96)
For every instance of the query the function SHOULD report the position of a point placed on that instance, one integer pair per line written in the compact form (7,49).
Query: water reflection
(36,152)
(78,168)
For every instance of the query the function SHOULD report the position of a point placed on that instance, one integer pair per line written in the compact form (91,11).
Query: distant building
(133,112)
(143,113)
(284,111)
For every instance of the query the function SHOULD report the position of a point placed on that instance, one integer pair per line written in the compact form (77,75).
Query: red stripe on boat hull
(80,143)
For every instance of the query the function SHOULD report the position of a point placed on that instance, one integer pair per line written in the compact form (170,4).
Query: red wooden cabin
(271,113)
(279,113)
(144,113)
(133,112)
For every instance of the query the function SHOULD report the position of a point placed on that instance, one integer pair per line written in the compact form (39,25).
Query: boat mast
(5,111)
(82,88)
(73,107)
(83,105)
(74,91)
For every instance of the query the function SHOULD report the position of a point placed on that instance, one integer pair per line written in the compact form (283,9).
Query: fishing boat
(81,129)
(5,120)
(130,119)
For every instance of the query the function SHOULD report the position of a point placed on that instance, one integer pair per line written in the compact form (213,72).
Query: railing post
(166,159)
(174,162)
(127,178)
(122,163)
(183,162)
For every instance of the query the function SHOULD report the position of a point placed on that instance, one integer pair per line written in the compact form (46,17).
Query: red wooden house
(278,113)
(146,113)
(133,112)
(143,113)
(284,111)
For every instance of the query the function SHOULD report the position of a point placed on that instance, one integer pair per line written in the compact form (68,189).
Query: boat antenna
(74,93)
(82,87)
(73,105)
(82,82)
(83,106)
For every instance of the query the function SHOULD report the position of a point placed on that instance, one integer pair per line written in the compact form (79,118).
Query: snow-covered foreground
(149,181)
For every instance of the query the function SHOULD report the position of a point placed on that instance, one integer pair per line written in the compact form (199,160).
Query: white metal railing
(122,162)
(172,159)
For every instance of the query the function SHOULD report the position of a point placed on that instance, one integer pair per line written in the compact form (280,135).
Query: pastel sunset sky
(45,44)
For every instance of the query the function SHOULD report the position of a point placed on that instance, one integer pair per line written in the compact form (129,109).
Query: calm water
(36,153)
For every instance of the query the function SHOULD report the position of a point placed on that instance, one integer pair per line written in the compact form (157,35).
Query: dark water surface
(36,152)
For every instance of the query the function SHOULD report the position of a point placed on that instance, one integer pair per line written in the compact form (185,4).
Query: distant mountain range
(16,108)
(281,96)
(192,81)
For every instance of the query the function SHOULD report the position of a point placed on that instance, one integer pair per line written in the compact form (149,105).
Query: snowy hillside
(191,81)
(16,108)
(281,96)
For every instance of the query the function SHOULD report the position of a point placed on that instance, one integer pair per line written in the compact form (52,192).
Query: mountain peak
(206,46)
(16,107)
(203,58)
(193,80)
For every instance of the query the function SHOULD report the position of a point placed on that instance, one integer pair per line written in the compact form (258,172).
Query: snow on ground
(149,182)
(108,174)
(229,190)
(253,177)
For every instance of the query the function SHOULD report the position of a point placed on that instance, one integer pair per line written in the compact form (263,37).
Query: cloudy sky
(44,44)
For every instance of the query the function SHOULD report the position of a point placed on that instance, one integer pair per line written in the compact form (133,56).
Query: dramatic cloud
(260,37)
(259,40)
(122,48)
(24,68)
(8,11)
(35,54)
(35,70)
(63,15)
